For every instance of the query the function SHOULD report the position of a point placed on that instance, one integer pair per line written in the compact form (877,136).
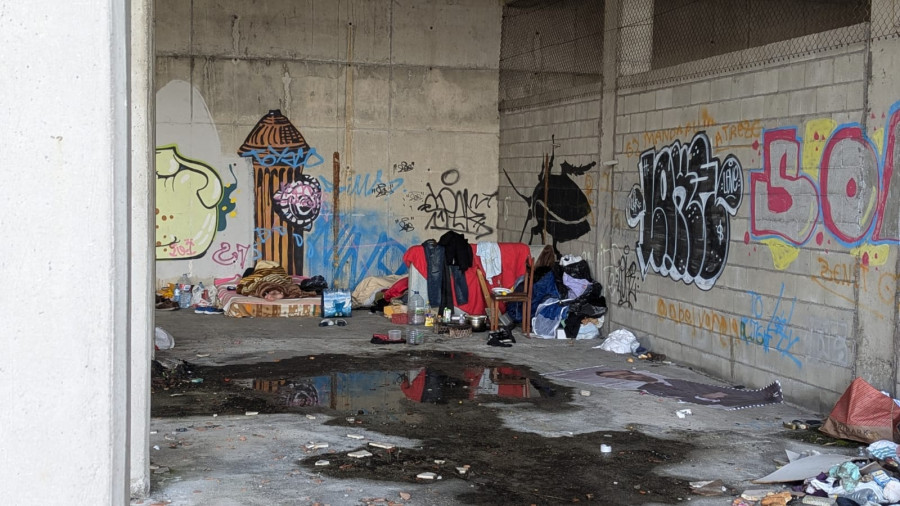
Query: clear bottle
(416,310)
(184,298)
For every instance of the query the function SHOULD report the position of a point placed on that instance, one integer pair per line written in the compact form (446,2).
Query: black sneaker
(497,339)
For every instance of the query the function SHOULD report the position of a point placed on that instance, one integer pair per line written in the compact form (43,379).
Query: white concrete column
(65,217)
(143,221)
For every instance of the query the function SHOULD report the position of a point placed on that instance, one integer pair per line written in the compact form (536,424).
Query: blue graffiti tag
(291,156)
(362,250)
(366,184)
(757,329)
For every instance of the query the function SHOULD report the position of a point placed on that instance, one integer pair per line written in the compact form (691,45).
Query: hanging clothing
(489,253)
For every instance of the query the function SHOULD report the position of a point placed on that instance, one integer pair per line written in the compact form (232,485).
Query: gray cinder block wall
(753,229)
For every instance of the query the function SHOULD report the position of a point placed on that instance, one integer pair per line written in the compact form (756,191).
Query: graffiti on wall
(623,281)
(683,206)
(285,196)
(191,205)
(363,249)
(835,178)
(454,208)
(558,206)
(770,328)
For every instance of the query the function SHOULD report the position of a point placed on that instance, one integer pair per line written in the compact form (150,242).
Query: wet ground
(448,402)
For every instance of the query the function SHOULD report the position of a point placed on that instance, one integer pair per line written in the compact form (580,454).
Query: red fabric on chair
(512,259)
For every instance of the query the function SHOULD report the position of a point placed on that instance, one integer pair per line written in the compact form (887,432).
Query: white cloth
(489,252)
(620,341)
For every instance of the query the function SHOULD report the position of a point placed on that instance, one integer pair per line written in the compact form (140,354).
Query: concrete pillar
(143,221)
(635,35)
(65,215)
(607,138)
(876,357)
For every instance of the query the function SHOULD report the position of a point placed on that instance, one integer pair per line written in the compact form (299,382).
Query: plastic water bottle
(416,310)
(184,298)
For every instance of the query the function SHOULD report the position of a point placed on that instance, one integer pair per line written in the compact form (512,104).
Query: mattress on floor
(241,306)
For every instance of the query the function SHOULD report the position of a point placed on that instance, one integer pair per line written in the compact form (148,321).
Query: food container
(477,322)
(395,335)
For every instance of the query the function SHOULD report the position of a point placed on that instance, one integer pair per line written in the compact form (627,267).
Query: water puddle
(454,405)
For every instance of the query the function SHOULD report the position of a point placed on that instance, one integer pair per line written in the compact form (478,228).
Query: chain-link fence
(672,39)
(552,49)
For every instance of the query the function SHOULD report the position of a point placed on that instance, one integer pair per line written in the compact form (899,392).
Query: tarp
(863,414)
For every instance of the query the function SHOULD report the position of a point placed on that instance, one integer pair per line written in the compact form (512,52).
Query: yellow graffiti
(704,319)
(817,133)
(783,254)
(872,255)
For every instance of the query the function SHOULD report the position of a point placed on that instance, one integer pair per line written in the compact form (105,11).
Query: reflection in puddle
(378,390)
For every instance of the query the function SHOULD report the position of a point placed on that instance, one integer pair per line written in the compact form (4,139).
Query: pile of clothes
(564,296)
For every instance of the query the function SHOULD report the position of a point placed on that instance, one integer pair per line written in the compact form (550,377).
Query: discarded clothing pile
(564,296)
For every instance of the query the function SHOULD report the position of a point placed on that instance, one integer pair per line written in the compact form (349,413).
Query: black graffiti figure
(558,206)
(683,206)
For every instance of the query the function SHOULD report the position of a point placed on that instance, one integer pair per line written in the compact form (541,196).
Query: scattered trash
(311,417)
(251,413)
(439,461)
(359,454)
(316,446)
(462,470)
(351,419)
(355,436)
(681,413)
(708,488)
(427,476)
(202,355)
(197,380)
(605,449)
(756,494)
(779,499)
(156,447)
(322,462)
(585,393)
(386,446)
(619,341)
(405,496)
(804,468)
(163,339)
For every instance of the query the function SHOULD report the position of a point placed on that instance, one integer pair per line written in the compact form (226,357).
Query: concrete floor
(253,459)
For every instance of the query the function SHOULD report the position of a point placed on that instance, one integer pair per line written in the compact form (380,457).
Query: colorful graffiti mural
(191,205)
(285,196)
(559,207)
(836,177)
(683,205)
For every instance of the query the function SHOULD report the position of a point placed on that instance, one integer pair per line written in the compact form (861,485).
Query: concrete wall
(404,93)
(65,371)
(753,226)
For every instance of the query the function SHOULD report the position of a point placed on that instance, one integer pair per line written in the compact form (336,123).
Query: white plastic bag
(163,339)
(620,341)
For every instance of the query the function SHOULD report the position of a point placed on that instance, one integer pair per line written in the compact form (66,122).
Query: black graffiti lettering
(404,224)
(456,210)
(682,206)
(623,281)
(404,167)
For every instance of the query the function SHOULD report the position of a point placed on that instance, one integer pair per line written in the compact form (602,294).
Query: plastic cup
(394,335)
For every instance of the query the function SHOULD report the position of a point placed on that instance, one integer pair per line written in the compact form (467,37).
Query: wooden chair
(493,300)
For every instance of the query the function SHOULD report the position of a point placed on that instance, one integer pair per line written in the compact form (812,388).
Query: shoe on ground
(495,340)
(208,310)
